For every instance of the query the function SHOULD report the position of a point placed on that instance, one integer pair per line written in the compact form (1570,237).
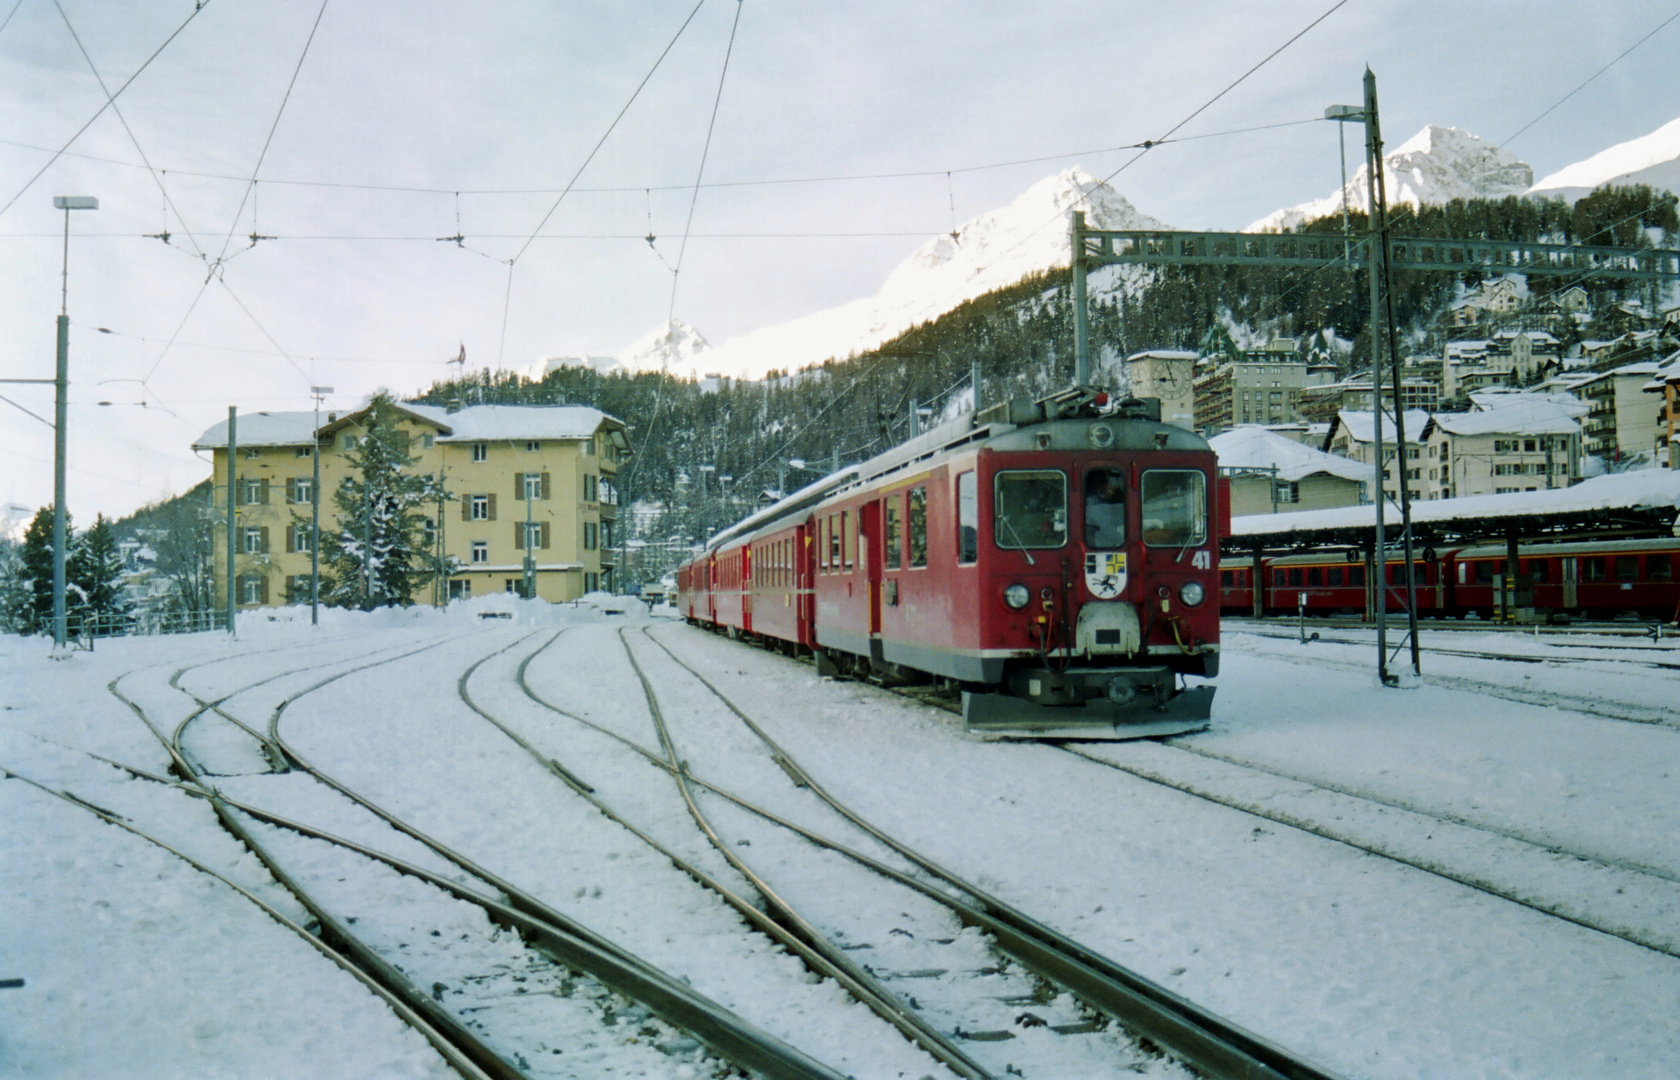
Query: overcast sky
(504,102)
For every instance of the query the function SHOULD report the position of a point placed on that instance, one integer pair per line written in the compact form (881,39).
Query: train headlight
(1191,593)
(1016,596)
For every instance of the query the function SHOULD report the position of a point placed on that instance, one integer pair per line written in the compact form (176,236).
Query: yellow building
(519,476)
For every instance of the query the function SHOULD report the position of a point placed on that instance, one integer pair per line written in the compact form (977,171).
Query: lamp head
(75,202)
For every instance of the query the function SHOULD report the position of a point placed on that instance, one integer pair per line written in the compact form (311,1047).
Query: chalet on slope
(1271,473)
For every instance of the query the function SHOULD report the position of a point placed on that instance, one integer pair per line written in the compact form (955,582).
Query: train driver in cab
(1105,509)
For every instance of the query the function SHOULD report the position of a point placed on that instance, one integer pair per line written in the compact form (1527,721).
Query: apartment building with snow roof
(1509,442)
(521,478)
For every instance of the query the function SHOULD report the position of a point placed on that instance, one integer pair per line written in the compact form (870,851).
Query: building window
(252,540)
(253,589)
(588,487)
(427,440)
(460,589)
(532,485)
(251,492)
(481,551)
(303,490)
(302,451)
(589,536)
(480,508)
(347,442)
(532,446)
(301,537)
(532,535)
(428,532)
(480,451)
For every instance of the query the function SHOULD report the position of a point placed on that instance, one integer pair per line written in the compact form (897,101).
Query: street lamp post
(61,384)
(317,392)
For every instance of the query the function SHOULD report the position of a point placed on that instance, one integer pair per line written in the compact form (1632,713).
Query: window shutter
(262,589)
(545,488)
(519,536)
(291,539)
(263,496)
(492,506)
(466,508)
(544,539)
(519,485)
(263,544)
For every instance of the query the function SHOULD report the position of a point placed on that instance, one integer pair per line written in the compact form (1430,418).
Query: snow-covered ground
(1441,881)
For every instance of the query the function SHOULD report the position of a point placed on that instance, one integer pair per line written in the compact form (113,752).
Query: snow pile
(994,250)
(1652,159)
(1435,166)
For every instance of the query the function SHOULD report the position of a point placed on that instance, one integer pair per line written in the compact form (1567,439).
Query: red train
(1055,561)
(1594,580)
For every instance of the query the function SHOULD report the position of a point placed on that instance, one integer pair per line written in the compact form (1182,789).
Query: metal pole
(1373,163)
(232,509)
(974,379)
(1380,228)
(530,559)
(1081,344)
(61,386)
(367,540)
(315,524)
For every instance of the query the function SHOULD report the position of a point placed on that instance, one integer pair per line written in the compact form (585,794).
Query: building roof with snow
(1360,429)
(476,423)
(261,429)
(1254,447)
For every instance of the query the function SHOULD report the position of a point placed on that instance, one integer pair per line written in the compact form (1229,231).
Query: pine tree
(34,611)
(377,556)
(94,579)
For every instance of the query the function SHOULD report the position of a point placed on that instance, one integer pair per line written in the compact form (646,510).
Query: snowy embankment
(135,965)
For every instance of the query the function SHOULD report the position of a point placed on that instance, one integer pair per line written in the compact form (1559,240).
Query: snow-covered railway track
(1077,979)
(441,1040)
(1666,662)
(505,1001)
(1637,903)
(1600,705)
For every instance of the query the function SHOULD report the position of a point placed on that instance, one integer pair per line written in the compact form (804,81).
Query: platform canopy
(1642,503)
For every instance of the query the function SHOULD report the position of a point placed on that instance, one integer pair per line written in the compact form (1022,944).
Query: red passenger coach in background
(1052,561)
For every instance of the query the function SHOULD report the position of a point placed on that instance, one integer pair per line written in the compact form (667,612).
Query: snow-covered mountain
(1652,159)
(675,344)
(990,252)
(1435,166)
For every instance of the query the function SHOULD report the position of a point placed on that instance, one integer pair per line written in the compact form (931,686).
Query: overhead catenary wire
(112,101)
(198,6)
(272,128)
(1583,85)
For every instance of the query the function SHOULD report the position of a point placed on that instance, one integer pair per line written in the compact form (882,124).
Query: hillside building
(1271,473)
(501,464)
(1250,392)
(1510,442)
(1666,382)
(1623,422)
(1353,435)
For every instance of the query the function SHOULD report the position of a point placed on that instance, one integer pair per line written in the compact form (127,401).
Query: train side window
(918,526)
(1335,575)
(968,518)
(1315,575)
(1294,576)
(1537,570)
(848,542)
(1627,567)
(1659,567)
(1277,578)
(1592,568)
(1029,509)
(1484,571)
(1356,576)
(890,532)
(1227,578)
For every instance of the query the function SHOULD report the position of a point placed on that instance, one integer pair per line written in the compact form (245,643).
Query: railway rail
(547,932)
(1210,1044)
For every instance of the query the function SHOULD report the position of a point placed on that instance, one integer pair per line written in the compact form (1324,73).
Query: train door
(711,588)
(1571,598)
(747,586)
(869,553)
(804,591)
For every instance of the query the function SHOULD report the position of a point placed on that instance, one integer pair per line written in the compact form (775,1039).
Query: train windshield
(1174,508)
(1030,509)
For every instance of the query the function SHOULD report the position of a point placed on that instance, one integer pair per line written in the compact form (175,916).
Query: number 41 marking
(1201,560)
